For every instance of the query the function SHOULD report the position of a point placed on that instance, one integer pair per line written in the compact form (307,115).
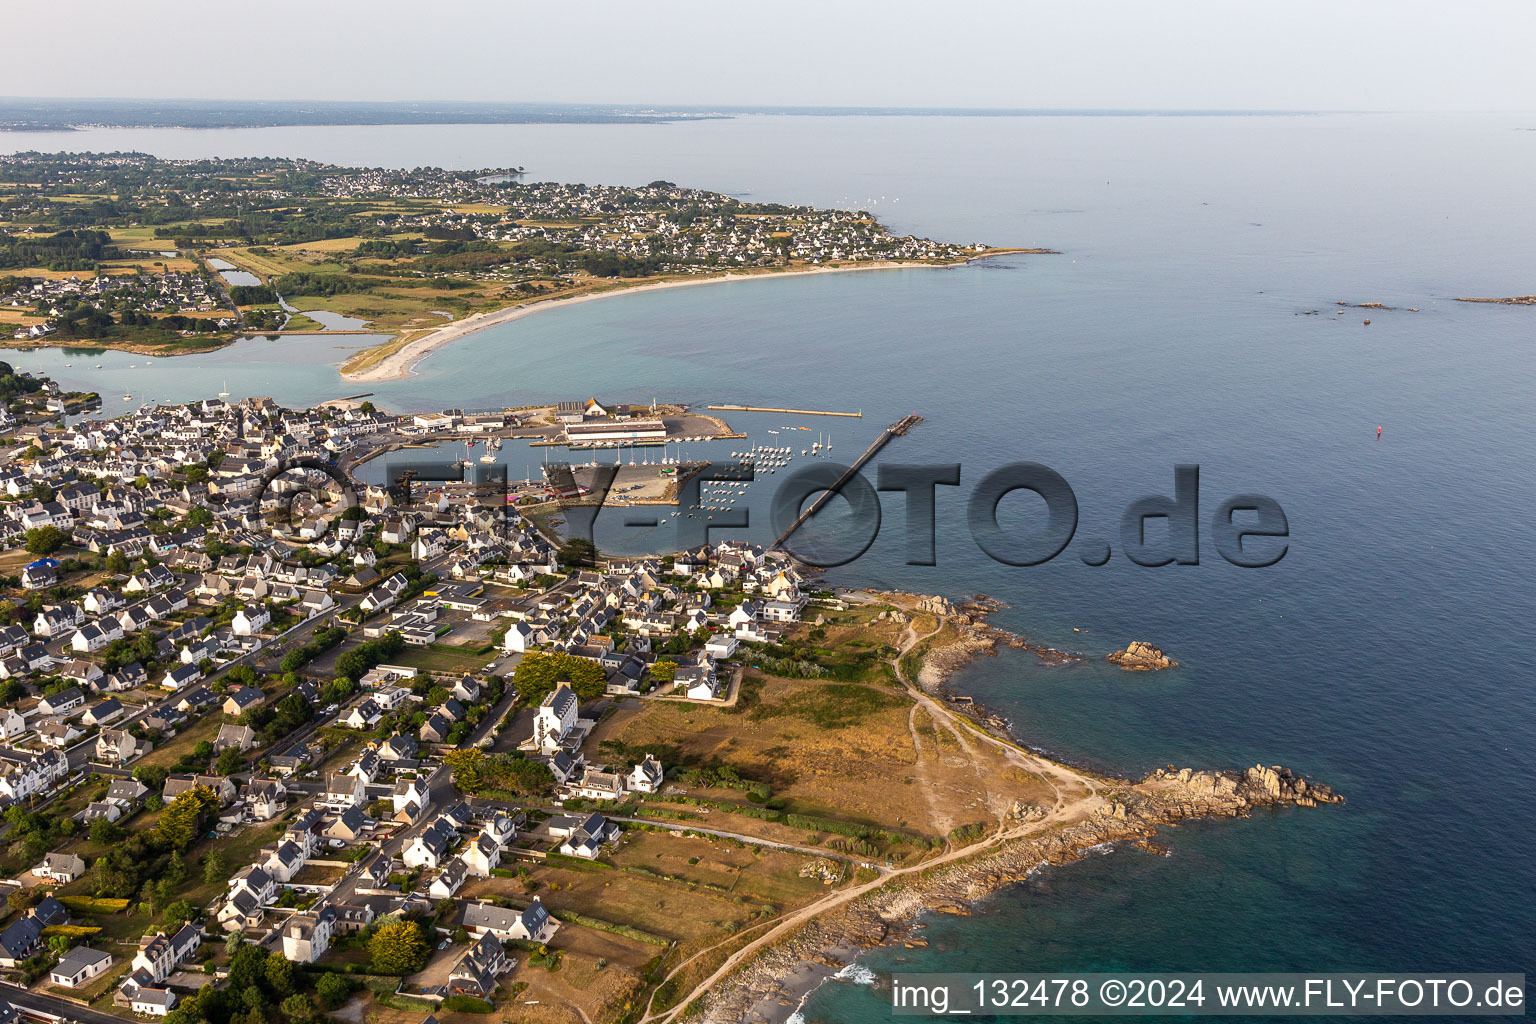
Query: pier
(897,429)
(796,412)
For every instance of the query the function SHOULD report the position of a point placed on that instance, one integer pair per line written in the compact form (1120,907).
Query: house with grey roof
(532,924)
(79,966)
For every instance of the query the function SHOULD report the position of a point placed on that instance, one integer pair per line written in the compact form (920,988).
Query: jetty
(897,429)
(796,412)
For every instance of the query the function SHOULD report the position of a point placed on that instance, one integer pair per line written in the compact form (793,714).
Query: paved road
(482,735)
(24,1001)
(81,752)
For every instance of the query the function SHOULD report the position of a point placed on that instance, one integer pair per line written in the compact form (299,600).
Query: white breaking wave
(857,974)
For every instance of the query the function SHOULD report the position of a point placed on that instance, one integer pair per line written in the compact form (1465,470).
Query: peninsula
(167,257)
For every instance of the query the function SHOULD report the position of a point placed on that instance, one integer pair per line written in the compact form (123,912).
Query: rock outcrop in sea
(1141,656)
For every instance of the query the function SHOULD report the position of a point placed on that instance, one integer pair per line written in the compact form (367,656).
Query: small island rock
(1141,656)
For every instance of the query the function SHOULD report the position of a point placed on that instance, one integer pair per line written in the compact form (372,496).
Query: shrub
(467,1004)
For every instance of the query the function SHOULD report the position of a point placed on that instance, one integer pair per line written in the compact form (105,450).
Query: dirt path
(1076,796)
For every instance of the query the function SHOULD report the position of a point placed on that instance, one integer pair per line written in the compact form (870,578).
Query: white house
(250,620)
(306,937)
(646,776)
(79,966)
(556,718)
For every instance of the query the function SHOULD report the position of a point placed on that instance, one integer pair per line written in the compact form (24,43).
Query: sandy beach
(401,362)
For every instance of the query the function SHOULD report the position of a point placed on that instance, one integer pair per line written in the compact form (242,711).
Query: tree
(152,775)
(539,671)
(474,771)
(200,516)
(149,897)
(233,943)
(248,971)
(279,976)
(577,553)
(105,832)
(367,409)
(214,867)
(175,870)
(333,991)
(45,540)
(178,914)
(20,900)
(298,1008)
(398,948)
(117,563)
(182,821)
(229,761)
(664,671)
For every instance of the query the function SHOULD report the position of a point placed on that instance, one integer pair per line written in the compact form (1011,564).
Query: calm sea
(1387,654)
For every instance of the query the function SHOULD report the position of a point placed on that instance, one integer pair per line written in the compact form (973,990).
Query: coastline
(402,361)
(768,980)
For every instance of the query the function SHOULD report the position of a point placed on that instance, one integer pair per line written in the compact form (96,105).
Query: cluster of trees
(127,650)
(84,321)
(356,662)
(13,386)
(682,643)
(539,671)
(185,818)
(142,864)
(323,640)
(400,947)
(323,285)
(577,553)
(475,771)
(72,249)
(263,987)
(33,834)
(274,722)
(387,248)
(169,322)
(607,264)
(45,540)
(251,294)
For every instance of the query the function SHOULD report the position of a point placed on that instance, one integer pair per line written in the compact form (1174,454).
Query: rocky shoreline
(768,989)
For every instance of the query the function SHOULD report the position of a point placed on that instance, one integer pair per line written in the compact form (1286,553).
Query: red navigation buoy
(1378,433)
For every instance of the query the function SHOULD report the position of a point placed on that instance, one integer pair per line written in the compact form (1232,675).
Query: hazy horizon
(1205,55)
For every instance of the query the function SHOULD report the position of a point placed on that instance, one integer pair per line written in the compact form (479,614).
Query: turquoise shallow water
(1386,654)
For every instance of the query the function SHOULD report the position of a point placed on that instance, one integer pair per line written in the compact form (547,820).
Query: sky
(1082,54)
